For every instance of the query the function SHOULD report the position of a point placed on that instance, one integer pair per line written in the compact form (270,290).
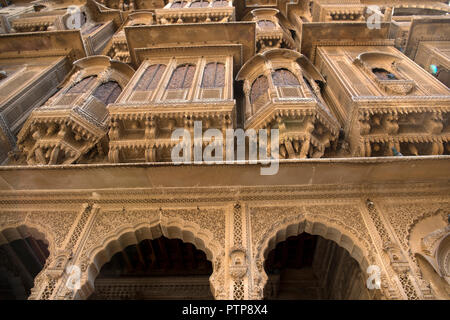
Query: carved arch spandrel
(291,221)
(404,217)
(137,226)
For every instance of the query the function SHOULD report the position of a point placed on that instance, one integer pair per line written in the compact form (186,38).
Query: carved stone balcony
(119,47)
(306,126)
(269,33)
(190,14)
(142,133)
(418,130)
(40,21)
(155,102)
(329,11)
(72,125)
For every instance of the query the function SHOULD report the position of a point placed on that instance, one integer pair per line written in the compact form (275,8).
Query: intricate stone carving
(210,219)
(404,216)
(58,222)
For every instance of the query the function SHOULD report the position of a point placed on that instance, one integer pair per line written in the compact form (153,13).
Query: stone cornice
(308,173)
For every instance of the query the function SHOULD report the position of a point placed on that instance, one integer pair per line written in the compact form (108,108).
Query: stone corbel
(113,155)
(114,130)
(390,124)
(364,127)
(434,123)
(150,128)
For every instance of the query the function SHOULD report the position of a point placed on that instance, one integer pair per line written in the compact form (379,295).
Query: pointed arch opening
(153,254)
(23,254)
(313,260)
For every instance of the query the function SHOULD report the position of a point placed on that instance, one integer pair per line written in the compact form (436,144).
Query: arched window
(199,4)
(82,86)
(266,24)
(178,4)
(150,78)
(286,84)
(214,75)
(182,77)
(259,88)
(383,74)
(220,3)
(284,78)
(107,92)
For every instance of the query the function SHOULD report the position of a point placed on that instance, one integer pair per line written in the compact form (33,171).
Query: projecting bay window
(90,95)
(181,80)
(147,83)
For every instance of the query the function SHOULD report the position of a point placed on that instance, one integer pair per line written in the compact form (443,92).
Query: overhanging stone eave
(194,50)
(434,29)
(321,33)
(210,33)
(406,171)
(35,42)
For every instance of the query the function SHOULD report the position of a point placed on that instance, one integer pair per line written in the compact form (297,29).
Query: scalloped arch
(297,225)
(22,230)
(132,234)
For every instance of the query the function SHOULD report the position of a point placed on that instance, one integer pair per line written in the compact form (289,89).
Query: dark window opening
(383,74)
(443,75)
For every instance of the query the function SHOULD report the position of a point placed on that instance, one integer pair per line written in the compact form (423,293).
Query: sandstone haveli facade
(93,207)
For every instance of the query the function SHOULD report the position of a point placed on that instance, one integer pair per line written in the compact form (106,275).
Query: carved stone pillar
(60,275)
(238,256)
(399,266)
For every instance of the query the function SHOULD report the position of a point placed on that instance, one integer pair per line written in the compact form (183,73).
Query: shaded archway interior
(311,267)
(20,262)
(161,268)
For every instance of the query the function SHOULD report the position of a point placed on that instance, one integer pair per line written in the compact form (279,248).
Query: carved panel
(59,222)
(403,216)
(210,219)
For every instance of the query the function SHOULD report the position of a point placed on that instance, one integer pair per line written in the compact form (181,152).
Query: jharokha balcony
(195,11)
(287,97)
